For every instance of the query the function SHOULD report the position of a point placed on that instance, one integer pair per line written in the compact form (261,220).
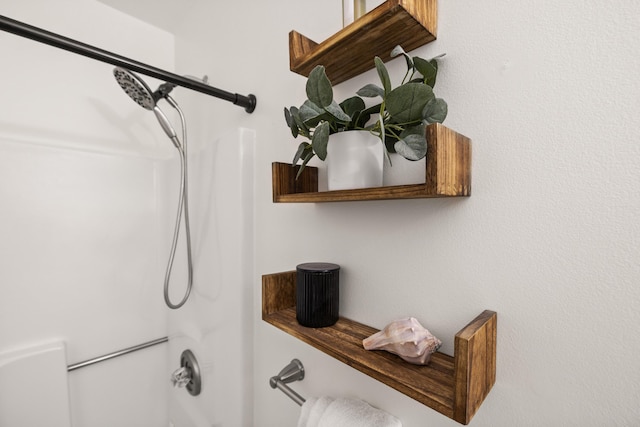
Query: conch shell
(407,338)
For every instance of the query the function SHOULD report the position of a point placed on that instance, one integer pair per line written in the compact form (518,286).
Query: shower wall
(82,219)
(216,322)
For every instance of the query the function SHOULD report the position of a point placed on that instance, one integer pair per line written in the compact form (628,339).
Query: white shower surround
(89,184)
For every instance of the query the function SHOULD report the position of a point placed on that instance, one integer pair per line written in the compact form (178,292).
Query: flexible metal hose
(183,209)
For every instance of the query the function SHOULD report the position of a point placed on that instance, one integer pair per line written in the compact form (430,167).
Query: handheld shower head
(140,92)
(135,87)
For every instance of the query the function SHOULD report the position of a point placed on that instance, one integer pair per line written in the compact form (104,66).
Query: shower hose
(183,209)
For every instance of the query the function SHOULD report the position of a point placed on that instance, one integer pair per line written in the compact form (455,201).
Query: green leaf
(319,89)
(320,140)
(303,150)
(312,115)
(308,157)
(287,117)
(427,70)
(371,91)
(309,110)
(359,120)
(374,109)
(294,130)
(412,146)
(406,103)
(291,122)
(435,111)
(352,106)
(419,130)
(298,120)
(383,74)
(398,50)
(434,62)
(335,110)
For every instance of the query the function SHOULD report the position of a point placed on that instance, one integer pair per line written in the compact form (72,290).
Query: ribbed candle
(317,294)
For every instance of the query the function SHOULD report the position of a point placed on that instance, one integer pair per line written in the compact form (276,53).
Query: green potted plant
(398,119)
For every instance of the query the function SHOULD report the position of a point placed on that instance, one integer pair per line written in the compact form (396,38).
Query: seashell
(407,338)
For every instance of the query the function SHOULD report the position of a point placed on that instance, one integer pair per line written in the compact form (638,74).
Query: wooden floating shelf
(448,174)
(349,52)
(454,386)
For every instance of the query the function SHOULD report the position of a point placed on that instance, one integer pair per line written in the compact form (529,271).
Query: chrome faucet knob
(188,374)
(181,377)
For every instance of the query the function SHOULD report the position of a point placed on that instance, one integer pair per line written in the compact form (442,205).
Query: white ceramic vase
(403,171)
(354,160)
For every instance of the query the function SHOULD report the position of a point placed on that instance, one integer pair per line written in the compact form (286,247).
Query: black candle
(317,294)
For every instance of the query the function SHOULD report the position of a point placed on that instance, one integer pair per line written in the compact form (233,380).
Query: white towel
(328,412)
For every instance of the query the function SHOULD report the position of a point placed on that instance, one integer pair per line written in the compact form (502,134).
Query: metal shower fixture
(142,95)
(188,374)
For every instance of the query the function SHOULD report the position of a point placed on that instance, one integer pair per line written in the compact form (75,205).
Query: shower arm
(43,36)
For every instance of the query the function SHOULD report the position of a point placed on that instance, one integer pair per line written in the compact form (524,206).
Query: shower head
(135,87)
(140,92)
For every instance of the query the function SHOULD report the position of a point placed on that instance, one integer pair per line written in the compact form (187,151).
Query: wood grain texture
(409,23)
(447,174)
(283,176)
(475,365)
(278,293)
(448,162)
(435,385)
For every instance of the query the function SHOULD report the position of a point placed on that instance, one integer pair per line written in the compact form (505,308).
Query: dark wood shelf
(448,174)
(454,386)
(349,52)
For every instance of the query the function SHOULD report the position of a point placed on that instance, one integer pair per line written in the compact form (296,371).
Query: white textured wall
(547,92)
(80,246)
(549,239)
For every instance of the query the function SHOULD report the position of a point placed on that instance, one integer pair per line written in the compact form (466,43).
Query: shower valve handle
(181,377)
(188,374)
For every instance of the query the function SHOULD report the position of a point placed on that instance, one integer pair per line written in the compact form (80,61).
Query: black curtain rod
(24,30)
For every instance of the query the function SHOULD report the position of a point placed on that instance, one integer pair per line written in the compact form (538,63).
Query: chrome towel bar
(294,371)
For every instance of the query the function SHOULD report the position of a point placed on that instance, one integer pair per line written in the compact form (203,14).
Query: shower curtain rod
(43,36)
